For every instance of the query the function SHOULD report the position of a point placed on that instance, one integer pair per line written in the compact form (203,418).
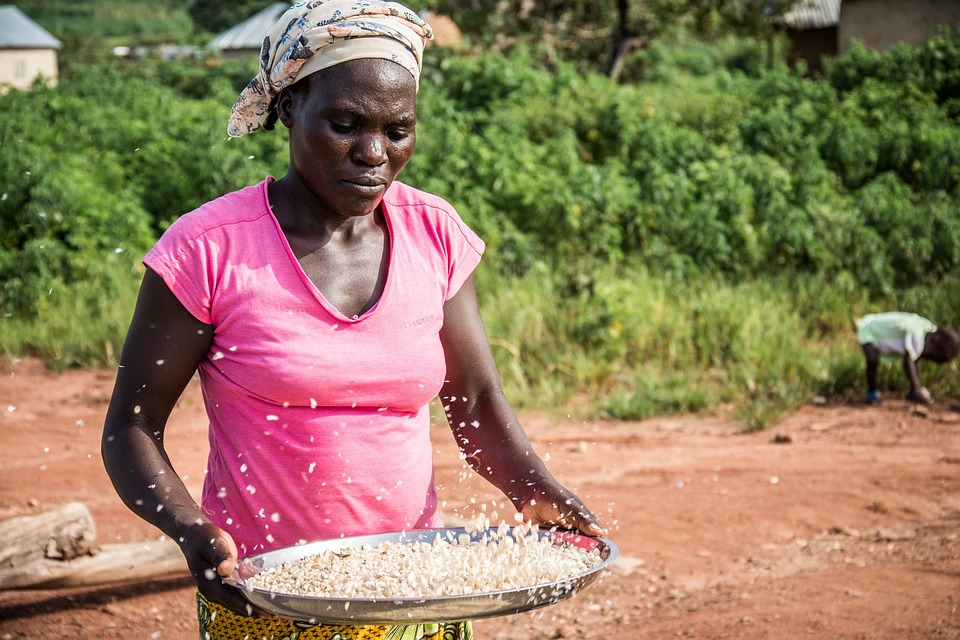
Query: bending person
(911,338)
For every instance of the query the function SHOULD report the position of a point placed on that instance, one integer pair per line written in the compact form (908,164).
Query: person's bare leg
(872,356)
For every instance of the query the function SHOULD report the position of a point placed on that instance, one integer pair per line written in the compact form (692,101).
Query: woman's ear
(285,107)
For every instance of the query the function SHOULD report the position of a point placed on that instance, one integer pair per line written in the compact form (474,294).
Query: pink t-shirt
(319,423)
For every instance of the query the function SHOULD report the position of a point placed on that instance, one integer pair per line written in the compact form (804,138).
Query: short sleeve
(913,342)
(465,249)
(181,258)
(434,228)
(193,254)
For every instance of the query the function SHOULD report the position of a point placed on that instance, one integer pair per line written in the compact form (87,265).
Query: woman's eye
(341,127)
(398,134)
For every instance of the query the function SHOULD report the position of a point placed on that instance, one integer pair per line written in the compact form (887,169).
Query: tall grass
(631,346)
(640,345)
(80,326)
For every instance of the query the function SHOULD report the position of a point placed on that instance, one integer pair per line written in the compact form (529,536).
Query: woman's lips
(368,187)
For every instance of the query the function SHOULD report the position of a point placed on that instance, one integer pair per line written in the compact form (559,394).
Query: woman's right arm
(163,348)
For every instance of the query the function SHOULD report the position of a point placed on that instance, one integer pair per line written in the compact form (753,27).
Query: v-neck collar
(305,279)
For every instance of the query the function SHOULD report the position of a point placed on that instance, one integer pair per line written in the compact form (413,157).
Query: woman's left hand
(554,505)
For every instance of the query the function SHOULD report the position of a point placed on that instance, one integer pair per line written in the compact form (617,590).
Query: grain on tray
(451,565)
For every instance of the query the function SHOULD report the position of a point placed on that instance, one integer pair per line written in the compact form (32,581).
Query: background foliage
(600,34)
(704,233)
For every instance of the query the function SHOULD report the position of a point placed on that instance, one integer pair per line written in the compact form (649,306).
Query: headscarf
(316,34)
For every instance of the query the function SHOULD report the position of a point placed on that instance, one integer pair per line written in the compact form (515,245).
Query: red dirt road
(848,529)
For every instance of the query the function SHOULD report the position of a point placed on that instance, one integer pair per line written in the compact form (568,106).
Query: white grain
(502,559)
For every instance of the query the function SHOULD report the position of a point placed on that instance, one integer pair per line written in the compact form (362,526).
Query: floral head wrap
(316,34)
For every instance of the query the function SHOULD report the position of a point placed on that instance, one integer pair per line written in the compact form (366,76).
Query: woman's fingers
(227,565)
(564,510)
(211,555)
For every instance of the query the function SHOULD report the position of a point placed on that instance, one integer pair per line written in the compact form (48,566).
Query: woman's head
(319,34)
(352,130)
(941,345)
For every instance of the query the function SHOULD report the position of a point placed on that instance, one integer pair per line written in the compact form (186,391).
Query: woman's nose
(371,150)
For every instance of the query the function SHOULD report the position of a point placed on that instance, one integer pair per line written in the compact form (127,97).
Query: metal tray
(412,610)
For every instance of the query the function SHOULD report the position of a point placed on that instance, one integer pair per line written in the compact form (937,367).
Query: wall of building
(881,23)
(812,46)
(19,67)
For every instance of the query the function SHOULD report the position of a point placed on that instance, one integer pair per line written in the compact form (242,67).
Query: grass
(635,346)
(640,345)
(80,327)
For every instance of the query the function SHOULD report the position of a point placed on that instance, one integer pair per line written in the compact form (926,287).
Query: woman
(324,310)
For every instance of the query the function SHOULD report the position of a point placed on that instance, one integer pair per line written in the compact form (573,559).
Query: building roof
(249,34)
(813,14)
(17,31)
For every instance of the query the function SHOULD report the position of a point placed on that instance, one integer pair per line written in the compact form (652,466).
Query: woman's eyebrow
(403,120)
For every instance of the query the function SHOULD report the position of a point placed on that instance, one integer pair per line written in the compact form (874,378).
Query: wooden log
(58,549)
(132,561)
(65,533)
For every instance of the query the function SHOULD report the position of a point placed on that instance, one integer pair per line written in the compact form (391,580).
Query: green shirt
(895,332)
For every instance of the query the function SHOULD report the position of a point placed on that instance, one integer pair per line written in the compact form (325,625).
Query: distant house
(245,39)
(446,33)
(813,27)
(821,28)
(881,23)
(27,50)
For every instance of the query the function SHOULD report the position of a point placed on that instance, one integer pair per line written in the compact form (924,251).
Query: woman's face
(352,129)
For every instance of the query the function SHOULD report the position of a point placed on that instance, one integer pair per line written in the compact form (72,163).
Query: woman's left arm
(487,430)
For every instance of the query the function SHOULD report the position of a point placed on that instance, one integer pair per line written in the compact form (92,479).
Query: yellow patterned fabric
(218,623)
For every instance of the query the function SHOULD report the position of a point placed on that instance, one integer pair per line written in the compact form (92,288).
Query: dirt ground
(840,522)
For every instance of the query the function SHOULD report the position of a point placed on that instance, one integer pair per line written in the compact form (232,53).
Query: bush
(706,233)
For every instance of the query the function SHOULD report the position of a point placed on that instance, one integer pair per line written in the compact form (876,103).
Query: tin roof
(249,34)
(17,31)
(813,14)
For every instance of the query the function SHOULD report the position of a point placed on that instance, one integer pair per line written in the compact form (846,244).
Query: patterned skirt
(219,623)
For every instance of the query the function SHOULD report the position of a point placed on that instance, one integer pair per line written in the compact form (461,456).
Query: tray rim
(415,610)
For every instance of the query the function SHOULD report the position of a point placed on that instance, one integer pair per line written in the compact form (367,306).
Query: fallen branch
(58,549)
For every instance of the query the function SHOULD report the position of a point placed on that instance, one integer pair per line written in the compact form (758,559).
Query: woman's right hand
(211,556)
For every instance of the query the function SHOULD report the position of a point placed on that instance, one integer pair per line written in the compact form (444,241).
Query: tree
(601,34)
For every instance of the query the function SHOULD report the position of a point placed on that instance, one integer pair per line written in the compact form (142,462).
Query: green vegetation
(704,234)
(140,21)
(601,34)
